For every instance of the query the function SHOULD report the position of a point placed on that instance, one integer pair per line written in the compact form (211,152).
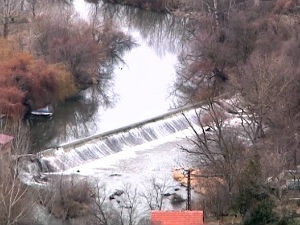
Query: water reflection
(163,32)
(139,88)
(72,119)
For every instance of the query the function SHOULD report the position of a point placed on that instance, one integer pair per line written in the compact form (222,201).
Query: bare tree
(100,215)
(122,211)
(16,198)
(102,211)
(216,146)
(66,198)
(269,101)
(128,212)
(9,12)
(33,5)
(216,199)
(155,194)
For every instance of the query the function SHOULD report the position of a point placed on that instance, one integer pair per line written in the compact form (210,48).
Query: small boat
(46,111)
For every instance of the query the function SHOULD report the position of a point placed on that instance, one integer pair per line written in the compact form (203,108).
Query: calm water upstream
(140,87)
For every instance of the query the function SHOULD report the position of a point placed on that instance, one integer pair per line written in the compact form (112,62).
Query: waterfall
(97,146)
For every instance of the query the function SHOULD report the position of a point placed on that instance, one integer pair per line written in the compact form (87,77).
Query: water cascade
(97,146)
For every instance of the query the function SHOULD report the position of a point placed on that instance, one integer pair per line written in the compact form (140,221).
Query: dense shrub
(72,55)
(287,221)
(66,84)
(7,49)
(261,214)
(67,199)
(11,102)
(77,51)
(84,48)
(26,83)
(34,78)
(285,6)
(155,5)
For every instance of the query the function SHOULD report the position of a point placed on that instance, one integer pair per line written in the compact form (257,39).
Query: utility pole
(188,188)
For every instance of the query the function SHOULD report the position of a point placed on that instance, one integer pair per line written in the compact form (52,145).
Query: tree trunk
(216,12)
(5,28)
(22,5)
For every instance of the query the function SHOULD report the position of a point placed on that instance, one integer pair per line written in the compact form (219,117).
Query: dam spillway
(91,148)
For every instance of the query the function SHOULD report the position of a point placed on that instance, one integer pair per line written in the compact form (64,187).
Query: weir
(97,146)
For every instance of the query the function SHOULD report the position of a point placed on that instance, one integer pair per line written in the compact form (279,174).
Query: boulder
(177,199)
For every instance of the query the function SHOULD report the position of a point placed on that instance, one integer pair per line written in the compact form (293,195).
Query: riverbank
(139,89)
(58,58)
(162,6)
(248,49)
(232,50)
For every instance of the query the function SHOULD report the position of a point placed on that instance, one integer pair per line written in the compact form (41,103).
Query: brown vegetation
(67,199)
(17,201)
(84,48)
(8,49)
(71,44)
(249,49)
(155,5)
(67,86)
(31,82)
(27,83)
(67,54)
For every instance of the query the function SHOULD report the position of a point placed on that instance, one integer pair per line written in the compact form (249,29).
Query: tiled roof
(4,139)
(177,218)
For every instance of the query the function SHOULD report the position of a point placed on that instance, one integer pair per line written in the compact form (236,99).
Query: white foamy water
(125,140)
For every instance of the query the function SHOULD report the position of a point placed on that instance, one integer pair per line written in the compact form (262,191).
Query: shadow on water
(72,119)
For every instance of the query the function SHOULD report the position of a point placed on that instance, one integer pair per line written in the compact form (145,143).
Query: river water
(140,87)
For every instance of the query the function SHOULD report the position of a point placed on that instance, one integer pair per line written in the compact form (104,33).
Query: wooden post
(188,203)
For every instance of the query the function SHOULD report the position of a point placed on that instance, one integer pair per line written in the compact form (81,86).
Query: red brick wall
(176,217)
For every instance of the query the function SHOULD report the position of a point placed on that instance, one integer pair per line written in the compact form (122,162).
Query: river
(140,87)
